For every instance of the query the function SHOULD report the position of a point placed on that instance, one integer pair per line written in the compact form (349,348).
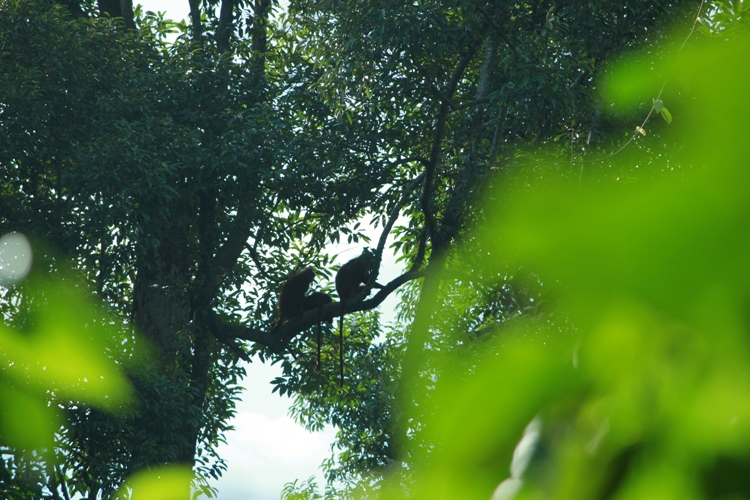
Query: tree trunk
(75,8)
(111,7)
(162,313)
(195,17)
(126,11)
(117,8)
(224,30)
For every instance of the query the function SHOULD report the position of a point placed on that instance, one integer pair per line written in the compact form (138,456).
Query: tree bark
(126,11)
(75,8)
(224,30)
(195,18)
(161,306)
(117,8)
(467,188)
(111,7)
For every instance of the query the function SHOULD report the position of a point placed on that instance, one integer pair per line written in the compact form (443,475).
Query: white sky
(176,10)
(268,449)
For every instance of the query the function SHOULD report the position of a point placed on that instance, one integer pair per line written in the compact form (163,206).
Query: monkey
(350,281)
(292,295)
(352,276)
(316,300)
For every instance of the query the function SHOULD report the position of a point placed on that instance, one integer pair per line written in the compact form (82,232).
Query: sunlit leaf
(164,483)
(666,114)
(26,421)
(66,350)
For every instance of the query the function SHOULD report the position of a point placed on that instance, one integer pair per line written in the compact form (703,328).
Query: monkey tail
(341,348)
(319,321)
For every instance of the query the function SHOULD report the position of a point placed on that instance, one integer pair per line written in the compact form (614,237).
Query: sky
(268,449)
(176,10)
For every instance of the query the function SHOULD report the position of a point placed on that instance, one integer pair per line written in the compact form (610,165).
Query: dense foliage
(185,180)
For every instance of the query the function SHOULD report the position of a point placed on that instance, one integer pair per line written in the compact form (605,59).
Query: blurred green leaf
(657,282)
(163,483)
(666,114)
(26,421)
(65,350)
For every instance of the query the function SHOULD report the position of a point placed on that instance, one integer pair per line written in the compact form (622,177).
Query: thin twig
(697,18)
(392,217)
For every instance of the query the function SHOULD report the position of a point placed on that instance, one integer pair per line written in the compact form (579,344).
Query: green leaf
(666,114)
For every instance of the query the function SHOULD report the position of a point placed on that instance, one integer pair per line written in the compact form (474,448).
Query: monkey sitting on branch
(292,295)
(352,279)
(294,300)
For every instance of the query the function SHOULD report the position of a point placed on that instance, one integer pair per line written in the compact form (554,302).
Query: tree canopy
(185,180)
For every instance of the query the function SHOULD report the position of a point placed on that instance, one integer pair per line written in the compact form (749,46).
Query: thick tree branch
(420,251)
(126,8)
(471,104)
(115,8)
(252,250)
(224,29)
(228,254)
(497,135)
(223,330)
(75,8)
(446,99)
(465,192)
(259,42)
(482,93)
(230,251)
(278,339)
(384,292)
(500,32)
(195,18)
(578,80)
(221,335)
(437,142)
(410,159)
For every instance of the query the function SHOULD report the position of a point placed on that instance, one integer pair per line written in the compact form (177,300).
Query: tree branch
(496,136)
(500,32)
(126,7)
(195,17)
(392,217)
(278,339)
(476,102)
(384,292)
(228,341)
(410,159)
(420,251)
(577,81)
(259,41)
(256,260)
(227,255)
(437,142)
(224,29)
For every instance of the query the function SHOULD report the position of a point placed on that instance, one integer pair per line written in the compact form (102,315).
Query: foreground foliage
(185,181)
(649,397)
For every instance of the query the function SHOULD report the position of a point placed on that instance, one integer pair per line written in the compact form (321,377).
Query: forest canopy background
(598,285)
